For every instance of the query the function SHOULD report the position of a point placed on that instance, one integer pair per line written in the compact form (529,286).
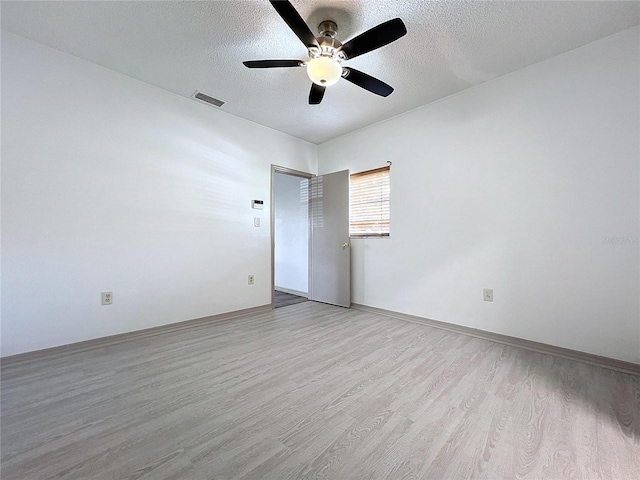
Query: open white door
(330,247)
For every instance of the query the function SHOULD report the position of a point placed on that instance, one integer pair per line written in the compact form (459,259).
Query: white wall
(291,233)
(516,185)
(111,184)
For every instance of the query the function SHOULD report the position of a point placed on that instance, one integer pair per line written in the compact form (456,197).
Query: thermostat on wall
(257,204)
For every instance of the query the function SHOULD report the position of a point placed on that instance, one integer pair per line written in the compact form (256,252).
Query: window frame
(385,221)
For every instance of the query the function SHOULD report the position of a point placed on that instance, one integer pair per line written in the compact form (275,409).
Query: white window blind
(369,203)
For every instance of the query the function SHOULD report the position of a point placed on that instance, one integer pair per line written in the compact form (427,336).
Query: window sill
(355,237)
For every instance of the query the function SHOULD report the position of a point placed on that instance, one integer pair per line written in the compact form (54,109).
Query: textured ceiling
(187,46)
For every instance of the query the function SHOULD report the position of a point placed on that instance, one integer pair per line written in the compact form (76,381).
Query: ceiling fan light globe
(324,71)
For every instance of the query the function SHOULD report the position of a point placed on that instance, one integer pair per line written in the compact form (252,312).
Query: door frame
(296,173)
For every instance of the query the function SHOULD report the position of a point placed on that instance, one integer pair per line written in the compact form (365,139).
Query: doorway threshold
(282,299)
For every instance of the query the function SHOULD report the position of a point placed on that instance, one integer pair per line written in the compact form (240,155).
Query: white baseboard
(118,338)
(605,362)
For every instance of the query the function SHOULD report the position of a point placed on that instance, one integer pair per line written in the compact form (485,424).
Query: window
(369,203)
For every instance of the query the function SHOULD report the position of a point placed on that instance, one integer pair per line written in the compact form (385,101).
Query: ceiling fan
(326,53)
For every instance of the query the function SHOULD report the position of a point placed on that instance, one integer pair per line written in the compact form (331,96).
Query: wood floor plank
(314,391)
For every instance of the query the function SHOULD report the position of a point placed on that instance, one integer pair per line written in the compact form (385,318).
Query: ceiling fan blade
(367,82)
(316,94)
(271,63)
(292,18)
(377,37)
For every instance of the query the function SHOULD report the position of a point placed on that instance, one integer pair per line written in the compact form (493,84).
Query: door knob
(345,245)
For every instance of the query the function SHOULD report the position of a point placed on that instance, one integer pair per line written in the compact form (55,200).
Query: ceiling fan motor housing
(328,45)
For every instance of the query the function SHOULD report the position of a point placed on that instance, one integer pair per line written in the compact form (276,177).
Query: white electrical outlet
(250,280)
(107,298)
(487,294)
(256,221)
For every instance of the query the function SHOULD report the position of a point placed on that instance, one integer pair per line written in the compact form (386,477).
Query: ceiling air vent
(208,99)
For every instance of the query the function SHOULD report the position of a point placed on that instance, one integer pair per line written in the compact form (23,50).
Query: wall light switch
(256,221)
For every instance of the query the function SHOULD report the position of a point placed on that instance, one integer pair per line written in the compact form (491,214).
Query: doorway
(310,248)
(290,236)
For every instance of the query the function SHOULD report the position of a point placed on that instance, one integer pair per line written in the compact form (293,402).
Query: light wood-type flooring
(314,391)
